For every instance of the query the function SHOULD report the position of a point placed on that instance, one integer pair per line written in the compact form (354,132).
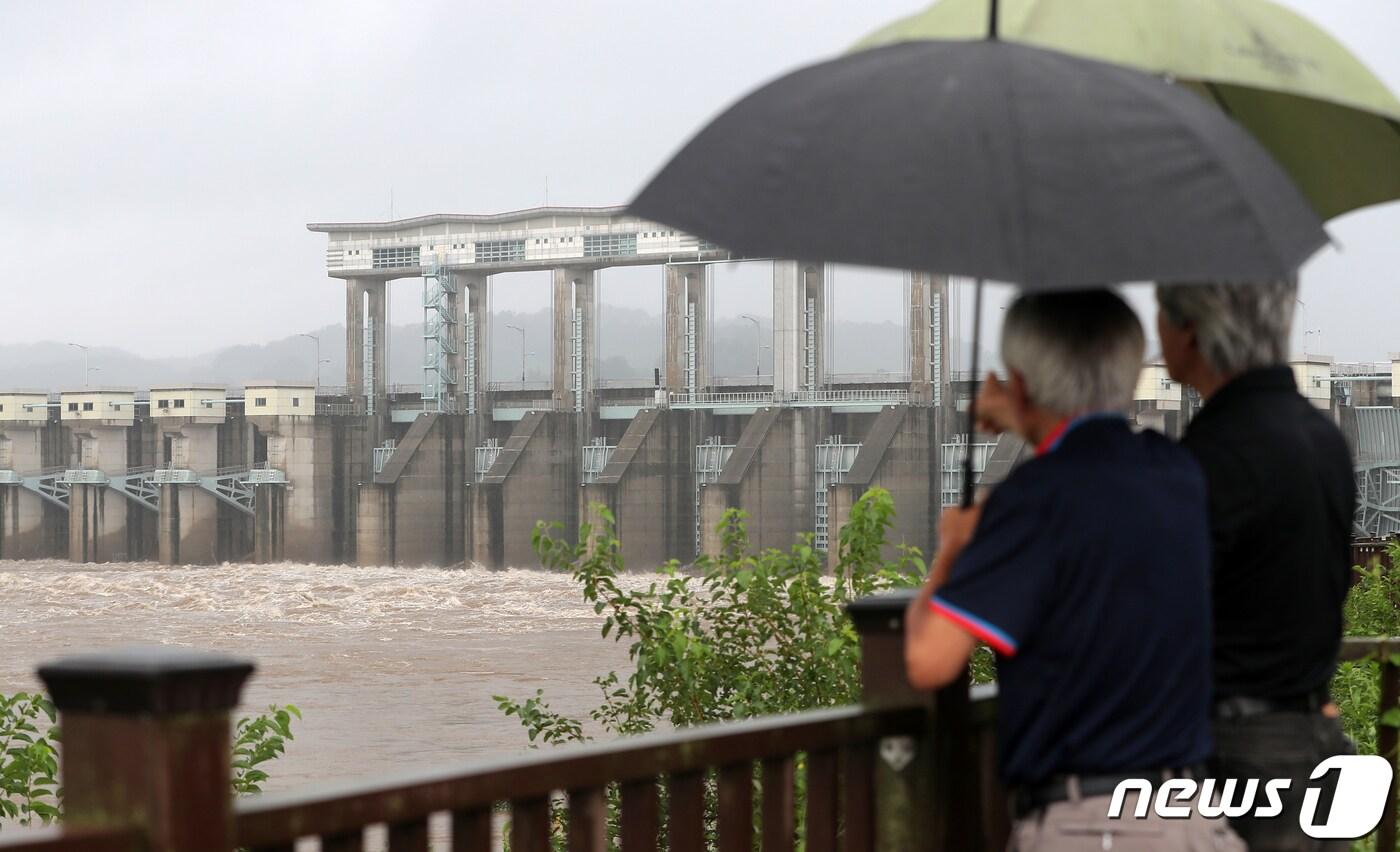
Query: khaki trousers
(1082,825)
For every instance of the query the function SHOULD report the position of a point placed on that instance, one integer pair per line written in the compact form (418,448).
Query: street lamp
(523,353)
(757,346)
(317,340)
(1306,335)
(85,361)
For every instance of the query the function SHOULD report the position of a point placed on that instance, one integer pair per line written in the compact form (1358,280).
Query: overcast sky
(159,161)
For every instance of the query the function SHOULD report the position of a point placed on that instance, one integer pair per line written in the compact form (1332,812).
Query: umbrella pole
(967,491)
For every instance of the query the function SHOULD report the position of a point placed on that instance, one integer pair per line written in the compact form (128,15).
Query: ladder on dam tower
(439,339)
(834,460)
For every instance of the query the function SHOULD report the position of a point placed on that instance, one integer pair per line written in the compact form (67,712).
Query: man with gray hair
(1281,495)
(1087,572)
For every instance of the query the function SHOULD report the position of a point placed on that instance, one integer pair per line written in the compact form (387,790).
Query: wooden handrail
(278,818)
(1368,647)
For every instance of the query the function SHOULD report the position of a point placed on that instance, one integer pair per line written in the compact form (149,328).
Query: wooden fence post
(904,766)
(146,743)
(927,791)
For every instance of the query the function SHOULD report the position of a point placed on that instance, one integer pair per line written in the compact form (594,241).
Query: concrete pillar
(410,514)
(374,533)
(770,476)
(323,457)
(22,512)
(269,540)
(649,487)
(188,523)
(97,514)
(799,315)
(474,297)
(364,310)
(928,338)
(686,291)
(574,295)
(899,453)
(536,478)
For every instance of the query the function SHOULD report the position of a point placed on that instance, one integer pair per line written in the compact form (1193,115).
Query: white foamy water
(392,667)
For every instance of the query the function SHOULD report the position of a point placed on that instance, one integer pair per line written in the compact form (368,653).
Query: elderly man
(1087,571)
(1282,495)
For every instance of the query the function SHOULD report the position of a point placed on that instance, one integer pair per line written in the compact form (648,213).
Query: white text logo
(1363,782)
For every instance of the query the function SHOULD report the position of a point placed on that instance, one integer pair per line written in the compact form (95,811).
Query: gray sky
(158,161)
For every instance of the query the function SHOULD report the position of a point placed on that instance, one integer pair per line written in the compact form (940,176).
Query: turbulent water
(393,668)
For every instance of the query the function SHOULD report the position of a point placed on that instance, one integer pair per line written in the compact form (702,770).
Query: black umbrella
(991,160)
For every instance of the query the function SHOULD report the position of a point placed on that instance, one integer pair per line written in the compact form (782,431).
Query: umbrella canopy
(1332,125)
(991,160)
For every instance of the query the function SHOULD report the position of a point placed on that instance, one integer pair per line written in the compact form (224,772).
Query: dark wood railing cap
(157,680)
(880,613)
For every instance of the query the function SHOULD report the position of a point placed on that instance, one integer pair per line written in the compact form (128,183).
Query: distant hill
(630,346)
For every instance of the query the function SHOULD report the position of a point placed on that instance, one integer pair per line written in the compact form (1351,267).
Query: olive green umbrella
(1332,125)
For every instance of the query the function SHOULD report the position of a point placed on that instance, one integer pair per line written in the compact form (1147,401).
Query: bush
(743,634)
(258,740)
(28,759)
(29,788)
(1372,609)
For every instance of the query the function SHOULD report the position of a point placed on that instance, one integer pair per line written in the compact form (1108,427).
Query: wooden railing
(840,748)
(146,767)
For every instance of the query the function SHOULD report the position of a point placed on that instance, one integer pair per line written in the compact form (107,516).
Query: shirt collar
(1056,436)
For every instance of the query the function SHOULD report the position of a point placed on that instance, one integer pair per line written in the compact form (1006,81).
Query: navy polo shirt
(1089,575)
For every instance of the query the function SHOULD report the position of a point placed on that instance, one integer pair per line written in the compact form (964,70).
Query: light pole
(1306,335)
(317,340)
(85,361)
(757,346)
(523,354)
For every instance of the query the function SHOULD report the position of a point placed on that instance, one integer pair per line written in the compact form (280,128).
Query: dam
(458,469)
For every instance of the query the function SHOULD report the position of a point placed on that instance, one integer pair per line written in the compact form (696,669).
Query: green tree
(746,633)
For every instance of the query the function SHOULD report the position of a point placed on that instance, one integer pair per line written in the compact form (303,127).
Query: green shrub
(1372,609)
(29,788)
(28,759)
(742,634)
(258,740)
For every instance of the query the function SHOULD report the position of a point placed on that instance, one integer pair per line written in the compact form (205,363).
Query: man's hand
(996,412)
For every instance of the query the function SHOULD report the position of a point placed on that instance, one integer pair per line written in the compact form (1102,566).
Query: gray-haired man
(1282,495)
(1087,571)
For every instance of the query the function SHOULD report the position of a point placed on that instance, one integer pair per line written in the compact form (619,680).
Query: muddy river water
(392,667)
